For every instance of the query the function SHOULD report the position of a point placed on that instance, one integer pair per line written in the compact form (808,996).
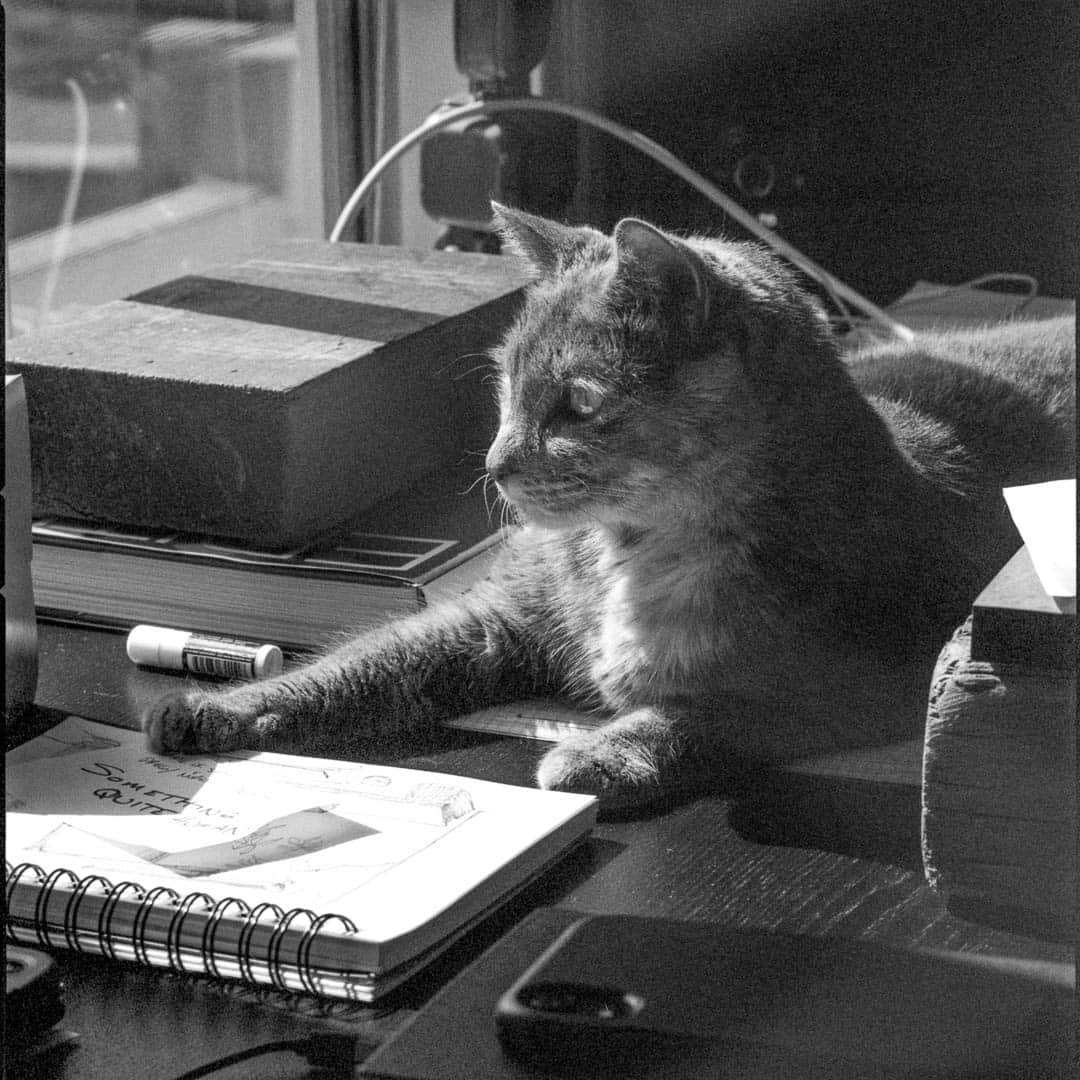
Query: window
(147,139)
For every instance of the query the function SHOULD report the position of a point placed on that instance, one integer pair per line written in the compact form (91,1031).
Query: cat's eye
(584,400)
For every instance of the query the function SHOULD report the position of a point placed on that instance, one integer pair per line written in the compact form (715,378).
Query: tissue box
(271,401)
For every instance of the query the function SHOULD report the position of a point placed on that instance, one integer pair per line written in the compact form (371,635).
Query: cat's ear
(643,249)
(545,244)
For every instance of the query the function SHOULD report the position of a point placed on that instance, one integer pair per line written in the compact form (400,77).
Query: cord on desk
(335,1053)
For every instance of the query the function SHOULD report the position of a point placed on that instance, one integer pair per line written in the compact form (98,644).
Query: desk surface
(688,862)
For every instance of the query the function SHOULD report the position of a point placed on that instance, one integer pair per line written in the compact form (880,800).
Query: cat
(736,544)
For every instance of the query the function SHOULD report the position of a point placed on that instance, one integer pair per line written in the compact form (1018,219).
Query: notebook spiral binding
(104,938)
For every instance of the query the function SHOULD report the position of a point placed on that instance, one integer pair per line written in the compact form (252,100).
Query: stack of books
(436,540)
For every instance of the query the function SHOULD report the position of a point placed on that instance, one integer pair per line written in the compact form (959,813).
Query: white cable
(62,236)
(438,120)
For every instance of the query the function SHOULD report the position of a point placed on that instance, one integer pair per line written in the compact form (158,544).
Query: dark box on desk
(269,401)
(1014,621)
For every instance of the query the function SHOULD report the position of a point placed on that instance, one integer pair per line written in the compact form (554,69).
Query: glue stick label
(226,658)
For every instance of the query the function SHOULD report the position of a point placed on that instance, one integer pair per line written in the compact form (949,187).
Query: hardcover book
(431,542)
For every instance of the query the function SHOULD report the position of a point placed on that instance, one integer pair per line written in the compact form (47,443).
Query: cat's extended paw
(611,764)
(211,723)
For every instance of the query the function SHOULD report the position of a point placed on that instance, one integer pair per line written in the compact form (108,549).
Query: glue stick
(202,654)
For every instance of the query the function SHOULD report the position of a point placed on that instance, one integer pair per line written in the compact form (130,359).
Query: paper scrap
(1045,514)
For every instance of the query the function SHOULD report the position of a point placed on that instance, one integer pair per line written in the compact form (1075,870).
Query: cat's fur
(739,546)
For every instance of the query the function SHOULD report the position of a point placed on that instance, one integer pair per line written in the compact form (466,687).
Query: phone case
(650,997)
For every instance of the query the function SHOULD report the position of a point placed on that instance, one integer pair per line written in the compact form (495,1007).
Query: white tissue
(1045,514)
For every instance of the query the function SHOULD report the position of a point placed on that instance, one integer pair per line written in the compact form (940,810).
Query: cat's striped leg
(393,683)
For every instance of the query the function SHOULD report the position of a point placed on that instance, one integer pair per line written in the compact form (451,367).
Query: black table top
(691,861)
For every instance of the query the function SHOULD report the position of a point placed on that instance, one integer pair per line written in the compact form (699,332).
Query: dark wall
(934,138)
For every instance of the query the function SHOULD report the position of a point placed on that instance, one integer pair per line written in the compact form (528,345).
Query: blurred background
(146,139)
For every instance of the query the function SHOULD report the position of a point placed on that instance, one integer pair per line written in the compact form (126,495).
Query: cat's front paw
(610,764)
(196,721)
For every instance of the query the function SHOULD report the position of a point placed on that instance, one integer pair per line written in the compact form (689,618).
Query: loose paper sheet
(1045,514)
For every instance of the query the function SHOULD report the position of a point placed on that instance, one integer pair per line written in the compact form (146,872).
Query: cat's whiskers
(478,367)
(508,513)
(449,367)
(491,505)
(482,478)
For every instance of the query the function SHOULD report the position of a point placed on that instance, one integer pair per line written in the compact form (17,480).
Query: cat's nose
(500,469)
(501,461)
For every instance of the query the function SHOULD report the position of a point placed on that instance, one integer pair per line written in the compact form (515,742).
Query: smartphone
(639,997)
(604,994)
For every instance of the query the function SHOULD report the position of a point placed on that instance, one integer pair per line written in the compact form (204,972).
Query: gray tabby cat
(736,545)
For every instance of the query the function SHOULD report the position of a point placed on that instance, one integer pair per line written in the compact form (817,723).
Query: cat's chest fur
(651,616)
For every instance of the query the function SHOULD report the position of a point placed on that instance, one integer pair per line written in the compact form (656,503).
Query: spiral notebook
(306,874)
